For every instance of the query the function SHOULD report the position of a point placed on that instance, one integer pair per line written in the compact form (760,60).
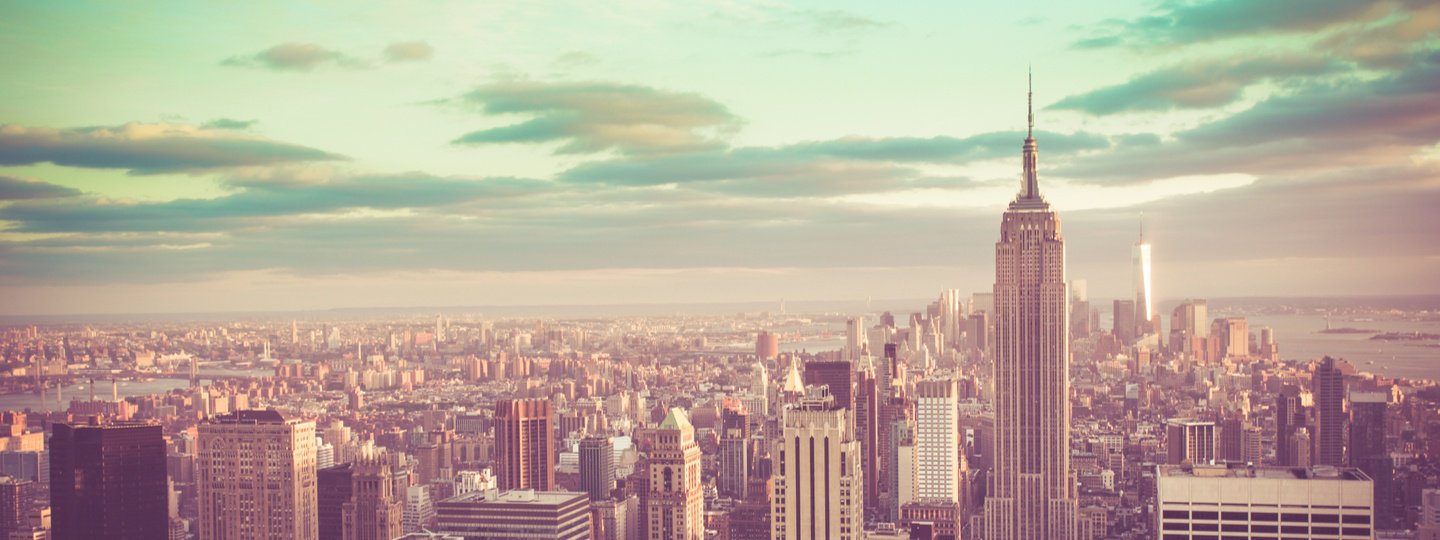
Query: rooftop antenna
(1030,101)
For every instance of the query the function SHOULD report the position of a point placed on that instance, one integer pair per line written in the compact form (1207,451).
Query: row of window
(1320,530)
(1290,517)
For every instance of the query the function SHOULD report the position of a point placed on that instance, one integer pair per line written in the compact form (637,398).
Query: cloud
(835,20)
(295,56)
(1194,85)
(148,148)
(594,117)
(575,59)
(1202,21)
(1389,44)
(409,51)
(16,189)
(228,123)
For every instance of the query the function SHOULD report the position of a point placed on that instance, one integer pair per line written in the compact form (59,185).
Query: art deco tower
(1032,493)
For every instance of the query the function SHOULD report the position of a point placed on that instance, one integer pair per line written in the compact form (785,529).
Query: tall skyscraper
(257,477)
(675,507)
(857,341)
(866,417)
(817,476)
(375,511)
(1369,452)
(733,478)
(1033,491)
(525,444)
(1144,302)
(597,467)
(108,481)
(1329,389)
(937,438)
(1289,418)
(1122,321)
(333,485)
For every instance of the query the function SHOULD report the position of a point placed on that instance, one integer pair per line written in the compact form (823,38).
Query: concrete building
(1190,441)
(675,505)
(525,444)
(257,477)
(533,515)
(597,467)
(818,480)
(732,480)
(375,511)
(1328,385)
(937,467)
(1239,501)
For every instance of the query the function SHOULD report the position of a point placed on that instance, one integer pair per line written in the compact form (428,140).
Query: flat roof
(1241,470)
(520,496)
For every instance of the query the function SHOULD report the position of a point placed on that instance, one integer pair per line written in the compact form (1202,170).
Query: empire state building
(1032,493)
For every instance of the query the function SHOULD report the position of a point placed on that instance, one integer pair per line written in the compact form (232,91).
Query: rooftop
(520,496)
(1241,470)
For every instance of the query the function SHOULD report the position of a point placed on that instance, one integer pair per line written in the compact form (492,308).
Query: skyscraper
(525,444)
(1289,418)
(857,341)
(375,511)
(1033,491)
(333,485)
(1324,502)
(1144,302)
(818,477)
(1190,441)
(733,478)
(1368,450)
(767,346)
(937,470)
(1329,388)
(108,481)
(257,477)
(597,467)
(836,376)
(1122,321)
(675,507)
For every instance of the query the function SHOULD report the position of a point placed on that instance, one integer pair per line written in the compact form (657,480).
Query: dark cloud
(1194,85)
(1201,21)
(1320,125)
(228,123)
(16,189)
(256,201)
(295,56)
(409,51)
(593,117)
(148,148)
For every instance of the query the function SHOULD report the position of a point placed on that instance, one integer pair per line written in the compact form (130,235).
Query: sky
(267,156)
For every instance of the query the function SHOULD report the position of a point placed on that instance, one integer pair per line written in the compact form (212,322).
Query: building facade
(525,444)
(108,481)
(1240,501)
(675,505)
(818,480)
(257,479)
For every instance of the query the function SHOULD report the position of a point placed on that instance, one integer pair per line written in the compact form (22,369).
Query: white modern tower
(1144,301)
(937,467)
(1032,493)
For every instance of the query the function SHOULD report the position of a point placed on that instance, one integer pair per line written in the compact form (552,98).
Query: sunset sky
(220,156)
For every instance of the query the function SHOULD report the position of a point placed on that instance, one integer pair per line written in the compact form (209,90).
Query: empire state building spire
(1029,196)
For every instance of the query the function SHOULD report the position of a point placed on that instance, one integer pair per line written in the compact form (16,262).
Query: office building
(1239,501)
(1328,385)
(533,515)
(767,346)
(108,481)
(1190,441)
(1369,452)
(1290,417)
(333,486)
(937,438)
(1428,526)
(1145,318)
(733,480)
(675,503)
(818,480)
(837,377)
(375,511)
(525,444)
(256,476)
(597,467)
(1033,493)
(857,341)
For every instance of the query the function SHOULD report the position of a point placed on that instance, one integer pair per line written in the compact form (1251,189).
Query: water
(81,390)
(1299,339)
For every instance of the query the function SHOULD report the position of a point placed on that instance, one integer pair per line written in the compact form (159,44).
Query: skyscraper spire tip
(1030,102)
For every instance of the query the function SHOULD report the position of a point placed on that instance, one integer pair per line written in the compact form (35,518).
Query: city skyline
(374,156)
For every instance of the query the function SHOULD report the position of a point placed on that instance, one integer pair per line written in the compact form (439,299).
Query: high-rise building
(733,478)
(1190,441)
(1079,309)
(1144,301)
(419,508)
(1290,417)
(1429,523)
(333,485)
(256,476)
(837,377)
(857,341)
(525,444)
(375,511)
(108,481)
(817,478)
(675,505)
(14,493)
(1122,320)
(529,514)
(1328,385)
(1234,334)
(937,438)
(1033,491)
(767,346)
(1368,450)
(866,417)
(597,467)
(1262,502)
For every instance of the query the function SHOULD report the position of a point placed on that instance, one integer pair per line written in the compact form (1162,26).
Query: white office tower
(857,340)
(1033,493)
(1240,501)
(324,454)
(419,509)
(952,317)
(817,482)
(937,436)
